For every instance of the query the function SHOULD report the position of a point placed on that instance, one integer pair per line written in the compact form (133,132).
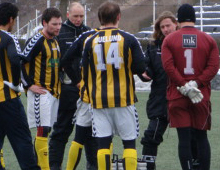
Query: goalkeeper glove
(191,90)
(15,88)
(195,95)
(193,83)
(184,90)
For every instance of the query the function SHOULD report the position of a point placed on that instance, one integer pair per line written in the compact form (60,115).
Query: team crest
(189,41)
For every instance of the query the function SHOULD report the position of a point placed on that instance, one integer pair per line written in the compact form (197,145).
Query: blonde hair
(157,31)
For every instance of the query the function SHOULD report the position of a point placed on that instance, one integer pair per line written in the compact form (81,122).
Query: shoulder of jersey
(14,38)
(125,33)
(89,32)
(84,35)
(32,43)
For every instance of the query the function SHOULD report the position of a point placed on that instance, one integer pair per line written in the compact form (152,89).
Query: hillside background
(136,14)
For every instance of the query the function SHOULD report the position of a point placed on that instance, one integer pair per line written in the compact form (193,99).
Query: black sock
(184,148)
(204,151)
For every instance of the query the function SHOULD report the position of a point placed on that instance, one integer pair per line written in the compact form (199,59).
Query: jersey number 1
(188,54)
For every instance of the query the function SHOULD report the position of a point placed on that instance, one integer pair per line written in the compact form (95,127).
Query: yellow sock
(41,147)
(75,152)
(2,163)
(130,159)
(104,159)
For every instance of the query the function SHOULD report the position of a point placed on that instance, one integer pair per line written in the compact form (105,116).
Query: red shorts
(183,113)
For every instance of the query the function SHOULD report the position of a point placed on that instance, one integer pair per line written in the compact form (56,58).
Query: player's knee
(151,138)
(104,143)
(43,131)
(129,144)
(82,134)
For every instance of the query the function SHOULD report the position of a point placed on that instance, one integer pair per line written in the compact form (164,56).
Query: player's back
(194,55)
(191,51)
(9,47)
(114,56)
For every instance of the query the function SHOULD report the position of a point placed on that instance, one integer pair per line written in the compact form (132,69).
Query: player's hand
(78,85)
(195,95)
(191,90)
(37,89)
(193,83)
(145,76)
(184,89)
(187,87)
(15,88)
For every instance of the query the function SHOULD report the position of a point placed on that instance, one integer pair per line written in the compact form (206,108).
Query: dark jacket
(68,34)
(157,102)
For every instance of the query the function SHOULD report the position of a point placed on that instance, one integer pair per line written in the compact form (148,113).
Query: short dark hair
(108,12)
(50,13)
(7,10)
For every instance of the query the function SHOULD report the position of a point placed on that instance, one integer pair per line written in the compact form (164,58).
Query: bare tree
(63,8)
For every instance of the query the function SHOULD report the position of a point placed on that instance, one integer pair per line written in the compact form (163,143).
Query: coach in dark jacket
(62,129)
(157,102)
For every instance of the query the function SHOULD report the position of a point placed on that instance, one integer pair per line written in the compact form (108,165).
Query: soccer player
(62,129)
(191,59)
(110,58)
(40,78)
(83,130)
(165,24)
(13,120)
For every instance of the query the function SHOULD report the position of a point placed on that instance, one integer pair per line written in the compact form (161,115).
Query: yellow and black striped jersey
(10,53)
(110,58)
(41,64)
(74,52)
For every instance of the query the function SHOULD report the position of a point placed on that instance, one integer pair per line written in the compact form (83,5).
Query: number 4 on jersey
(113,56)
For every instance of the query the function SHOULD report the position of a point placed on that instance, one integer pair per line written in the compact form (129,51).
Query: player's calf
(195,164)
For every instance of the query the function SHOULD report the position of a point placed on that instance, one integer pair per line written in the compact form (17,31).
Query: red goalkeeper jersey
(189,54)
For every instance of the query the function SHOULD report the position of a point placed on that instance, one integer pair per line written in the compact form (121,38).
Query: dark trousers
(64,127)
(13,124)
(153,136)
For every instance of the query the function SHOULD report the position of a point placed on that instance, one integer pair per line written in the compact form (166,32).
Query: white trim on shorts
(83,114)
(122,121)
(41,109)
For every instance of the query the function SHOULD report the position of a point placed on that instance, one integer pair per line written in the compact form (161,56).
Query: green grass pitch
(167,154)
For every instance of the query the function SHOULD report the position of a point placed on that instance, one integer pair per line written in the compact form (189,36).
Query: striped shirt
(41,63)
(110,58)
(10,53)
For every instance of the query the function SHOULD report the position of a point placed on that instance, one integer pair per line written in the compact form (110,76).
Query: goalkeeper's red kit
(189,54)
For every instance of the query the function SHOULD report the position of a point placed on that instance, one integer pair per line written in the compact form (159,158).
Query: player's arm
(85,63)
(70,54)
(148,74)
(26,80)
(32,47)
(138,58)
(168,64)
(212,67)
(31,50)
(14,55)
(70,62)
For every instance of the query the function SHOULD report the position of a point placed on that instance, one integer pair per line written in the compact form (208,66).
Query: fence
(31,28)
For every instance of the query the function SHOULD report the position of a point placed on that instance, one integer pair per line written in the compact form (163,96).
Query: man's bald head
(76,13)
